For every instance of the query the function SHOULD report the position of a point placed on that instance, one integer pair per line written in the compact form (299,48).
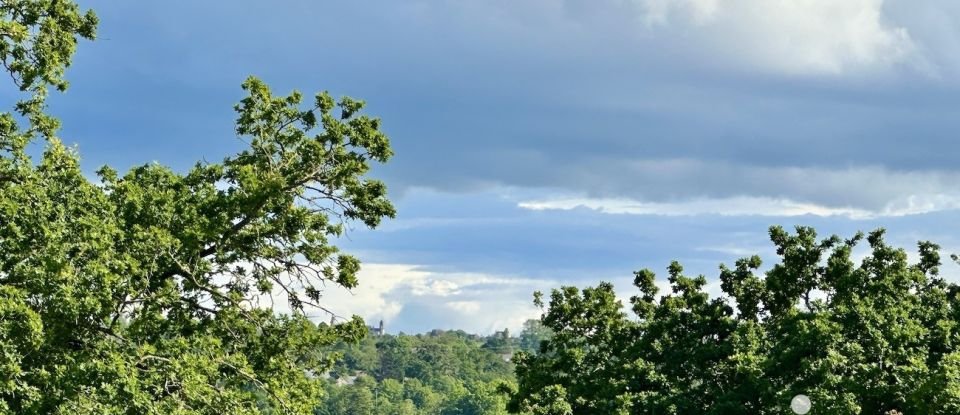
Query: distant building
(377,331)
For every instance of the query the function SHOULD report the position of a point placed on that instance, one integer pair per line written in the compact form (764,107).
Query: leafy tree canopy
(857,336)
(148,292)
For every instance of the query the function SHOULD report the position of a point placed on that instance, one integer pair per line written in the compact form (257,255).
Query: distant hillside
(440,372)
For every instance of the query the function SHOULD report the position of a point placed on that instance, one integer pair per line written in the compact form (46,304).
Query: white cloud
(465,307)
(785,36)
(736,206)
(474,302)
(734,251)
(796,37)
(439,288)
(662,12)
(691,187)
(746,206)
(369,299)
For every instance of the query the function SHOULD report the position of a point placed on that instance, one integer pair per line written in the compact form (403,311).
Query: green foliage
(500,342)
(448,373)
(37,42)
(39,39)
(534,333)
(866,338)
(149,292)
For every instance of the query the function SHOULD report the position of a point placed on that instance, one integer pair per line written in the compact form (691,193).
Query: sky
(542,143)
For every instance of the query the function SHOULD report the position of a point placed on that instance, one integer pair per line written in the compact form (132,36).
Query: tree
(500,342)
(37,41)
(149,292)
(480,399)
(396,355)
(867,338)
(352,400)
(533,333)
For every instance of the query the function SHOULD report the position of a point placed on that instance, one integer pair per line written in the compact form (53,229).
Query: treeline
(440,372)
(836,325)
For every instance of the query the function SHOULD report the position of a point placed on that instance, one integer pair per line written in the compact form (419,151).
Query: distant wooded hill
(440,372)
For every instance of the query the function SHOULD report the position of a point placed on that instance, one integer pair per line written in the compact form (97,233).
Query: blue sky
(548,142)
